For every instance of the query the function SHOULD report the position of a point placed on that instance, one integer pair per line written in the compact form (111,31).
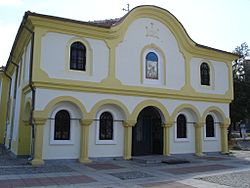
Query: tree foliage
(240,107)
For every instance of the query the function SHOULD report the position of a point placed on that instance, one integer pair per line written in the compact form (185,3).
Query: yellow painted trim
(143,61)
(186,106)
(3,104)
(198,141)
(109,102)
(128,138)
(45,112)
(89,56)
(162,110)
(224,139)
(84,157)
(217,112)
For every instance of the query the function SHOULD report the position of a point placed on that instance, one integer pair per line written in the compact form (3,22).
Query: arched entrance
(147,137)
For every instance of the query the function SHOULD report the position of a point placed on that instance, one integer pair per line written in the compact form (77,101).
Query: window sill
(61,142)
(105,142)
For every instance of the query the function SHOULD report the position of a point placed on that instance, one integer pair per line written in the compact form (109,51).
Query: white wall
(55,58)
(129,54)
(218,77)
(26,63)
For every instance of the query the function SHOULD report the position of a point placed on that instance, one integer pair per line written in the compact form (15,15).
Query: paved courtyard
(211,170)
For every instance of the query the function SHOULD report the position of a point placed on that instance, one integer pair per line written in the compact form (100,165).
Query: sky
(221,24)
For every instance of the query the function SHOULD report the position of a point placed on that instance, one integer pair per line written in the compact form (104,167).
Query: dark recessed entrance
(147,133)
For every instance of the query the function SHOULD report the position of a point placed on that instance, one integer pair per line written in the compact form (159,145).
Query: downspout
(33,94)
(14,105)
(8,108)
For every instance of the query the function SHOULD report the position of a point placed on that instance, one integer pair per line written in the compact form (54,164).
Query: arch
(189,107)
(89,54)
(162,57)
(160,107)
(70,99)
(218,112)
(110,102)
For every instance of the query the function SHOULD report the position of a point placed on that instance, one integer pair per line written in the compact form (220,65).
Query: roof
(106,23)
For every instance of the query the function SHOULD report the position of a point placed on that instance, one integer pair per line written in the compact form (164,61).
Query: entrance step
(156,159)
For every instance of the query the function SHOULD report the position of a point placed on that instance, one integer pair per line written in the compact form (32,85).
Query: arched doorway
(147,134)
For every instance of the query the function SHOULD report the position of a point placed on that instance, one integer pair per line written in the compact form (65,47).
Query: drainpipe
(33,94)
(8,107)
(14,105)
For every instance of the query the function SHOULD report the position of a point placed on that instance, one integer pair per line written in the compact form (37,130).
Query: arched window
(205,74)
(106,126)
(210,126)
(181,126)
(78,56)
(151,66)
(62,125)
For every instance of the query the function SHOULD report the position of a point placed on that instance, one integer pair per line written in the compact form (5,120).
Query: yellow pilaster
(224,141)
(198,140)
(84,152)
(111,79)
(38,150)
(166,138)
(128,138)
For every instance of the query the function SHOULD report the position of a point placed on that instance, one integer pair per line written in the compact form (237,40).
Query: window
(181,126)
(62,125)
(151,66)
(205,74)
(78,56)
(106,126)
(210,126)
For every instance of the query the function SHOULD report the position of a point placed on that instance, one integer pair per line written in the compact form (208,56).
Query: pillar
(198,139)
(128,125)
(84,151)
(166,138)
(38,149)
(224,140)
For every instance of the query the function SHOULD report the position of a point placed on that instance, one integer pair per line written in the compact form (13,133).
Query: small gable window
(106,126)
(210,126)
(205,74)
(151,66)
(62,125)
(181,126)
(78,56)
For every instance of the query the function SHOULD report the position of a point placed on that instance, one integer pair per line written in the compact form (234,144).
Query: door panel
(147,133)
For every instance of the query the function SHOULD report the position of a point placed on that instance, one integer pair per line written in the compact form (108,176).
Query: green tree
(240,107)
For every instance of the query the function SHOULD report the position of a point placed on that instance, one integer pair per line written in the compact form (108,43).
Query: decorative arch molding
(60,99)
(110,102)
(187,106)
(152,103)
(218,112)
(89,54)
(163,58)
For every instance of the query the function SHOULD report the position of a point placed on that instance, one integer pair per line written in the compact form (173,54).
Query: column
(166,138)
(84,151)
(198,140)
(38,148)
(128,125)
(224,140)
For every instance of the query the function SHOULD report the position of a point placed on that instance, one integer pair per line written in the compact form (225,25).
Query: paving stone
(131,175)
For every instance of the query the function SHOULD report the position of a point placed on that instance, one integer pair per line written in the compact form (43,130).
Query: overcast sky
(222,24)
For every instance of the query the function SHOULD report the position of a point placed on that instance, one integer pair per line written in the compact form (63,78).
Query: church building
(133,86)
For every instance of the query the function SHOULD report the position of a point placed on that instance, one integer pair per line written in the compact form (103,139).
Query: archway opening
(147,137)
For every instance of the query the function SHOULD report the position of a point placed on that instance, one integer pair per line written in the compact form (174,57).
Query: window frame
(77,51)
(52,128)
(106,142)
(202,75)
(215,129)
(187,131)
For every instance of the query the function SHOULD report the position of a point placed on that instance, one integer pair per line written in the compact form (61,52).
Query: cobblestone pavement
(210,170)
